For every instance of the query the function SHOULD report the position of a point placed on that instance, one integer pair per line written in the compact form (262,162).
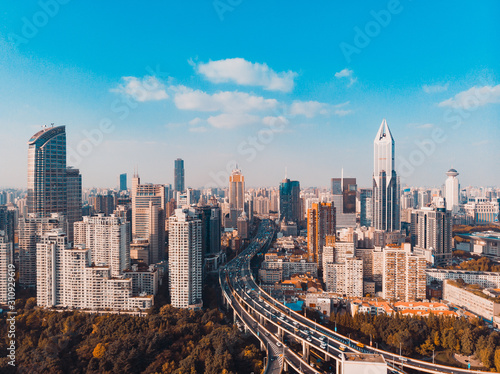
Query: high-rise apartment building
(452,191)
(289,201)
(31,229)
(49,268)
(66,278)
(320,224)
(185,261)
(386,208)
(403,275)
(74,199)
(6,261)
(432,231)
(107,238)
(179,175)
(148,216)
(345,278)
(236,196)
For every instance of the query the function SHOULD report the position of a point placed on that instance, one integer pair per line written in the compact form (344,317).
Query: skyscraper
(320,224)
(386,214)
(185,261)
(123,182)
(346,187)
(148,216)
(52,187)
(366,203)
(179,175)
(47,187)
(432,228)
(452,191)
(236,195)
(289,201)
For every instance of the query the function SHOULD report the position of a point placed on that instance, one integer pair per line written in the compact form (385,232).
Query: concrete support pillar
(280,333)
(262,346)
(285,366)
(327,358)
(305,351)
(338,366)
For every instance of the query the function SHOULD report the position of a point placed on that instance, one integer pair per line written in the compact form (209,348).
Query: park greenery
(168,340)
(420,336)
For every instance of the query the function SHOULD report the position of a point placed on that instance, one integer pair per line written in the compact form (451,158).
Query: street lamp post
(400,344)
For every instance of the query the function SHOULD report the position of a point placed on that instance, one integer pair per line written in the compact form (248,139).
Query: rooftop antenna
(342,180)
(286,173)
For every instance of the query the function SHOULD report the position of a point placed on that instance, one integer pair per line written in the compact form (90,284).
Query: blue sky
(269,86)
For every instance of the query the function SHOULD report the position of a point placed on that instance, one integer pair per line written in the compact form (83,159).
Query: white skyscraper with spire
(452,190)
(386,209)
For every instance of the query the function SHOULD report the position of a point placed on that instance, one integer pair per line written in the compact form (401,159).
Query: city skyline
(202,96)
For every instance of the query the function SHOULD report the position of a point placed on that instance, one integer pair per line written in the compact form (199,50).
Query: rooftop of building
(364,357)
(476,290)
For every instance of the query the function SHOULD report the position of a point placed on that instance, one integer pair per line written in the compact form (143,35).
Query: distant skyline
(142,87)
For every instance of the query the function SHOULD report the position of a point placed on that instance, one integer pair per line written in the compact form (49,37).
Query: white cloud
(308,108)
(346,73)
(275,121)
(232,120)
(474,97)
(341,105)
(243,72)
(425,126)
(146,89)
(227,101)
(195,121)
(435,88)
(311,109)
(198,129)
(342,112)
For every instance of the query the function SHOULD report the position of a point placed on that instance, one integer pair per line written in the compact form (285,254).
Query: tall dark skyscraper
(47,171)
(179,175)
(123,182)
(366,202)
(386,208)
(346,187)
(289,200)
(53,187)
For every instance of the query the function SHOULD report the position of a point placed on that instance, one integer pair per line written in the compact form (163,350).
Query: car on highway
(342,347)
(278,344)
